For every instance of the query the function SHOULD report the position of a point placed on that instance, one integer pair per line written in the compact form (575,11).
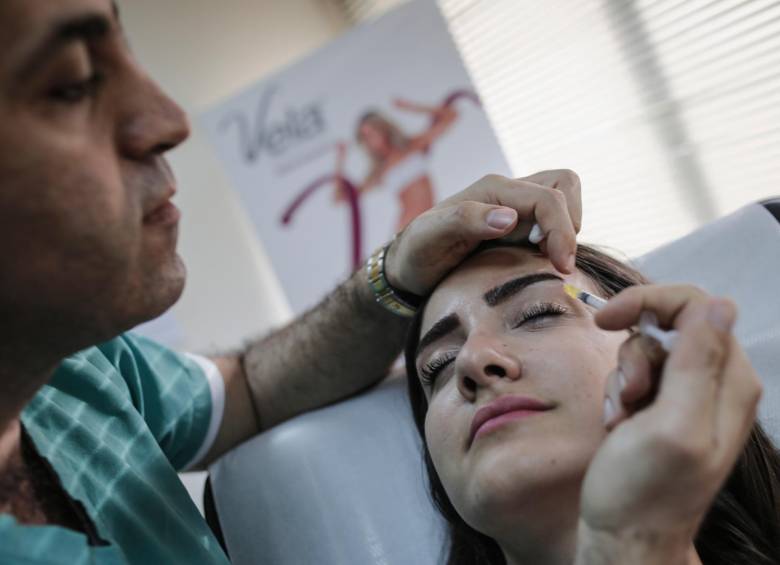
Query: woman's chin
(507,486)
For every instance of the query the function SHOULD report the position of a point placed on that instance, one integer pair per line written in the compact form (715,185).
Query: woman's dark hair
(741,527)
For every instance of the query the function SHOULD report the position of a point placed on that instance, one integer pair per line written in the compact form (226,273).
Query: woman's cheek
(443,430)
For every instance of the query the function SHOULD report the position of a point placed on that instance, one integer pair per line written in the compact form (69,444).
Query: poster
(336,153)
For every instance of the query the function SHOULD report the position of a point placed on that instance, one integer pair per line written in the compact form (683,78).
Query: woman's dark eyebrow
(87,27)
(499,294)
(438,331)
(493,297)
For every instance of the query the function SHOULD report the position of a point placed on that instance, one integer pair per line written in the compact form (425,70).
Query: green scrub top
(115,423)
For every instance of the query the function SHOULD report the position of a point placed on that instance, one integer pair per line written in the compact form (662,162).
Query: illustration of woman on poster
(399,162)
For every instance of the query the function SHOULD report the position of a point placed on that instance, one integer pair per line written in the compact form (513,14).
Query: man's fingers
(737,403)
(493,207)
(535,203)
(547,207)
(449,234)
(474,222)
(501,219)
(639,360)
(614,410)
(633,384)
(693,373)
(568,182)
(667,302)
(707,394)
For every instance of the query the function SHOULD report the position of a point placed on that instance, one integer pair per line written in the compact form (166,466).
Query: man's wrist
(393,299)
(361,291)
(389,257)
(634,546)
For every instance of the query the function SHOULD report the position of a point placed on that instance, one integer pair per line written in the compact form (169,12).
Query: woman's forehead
(491,266)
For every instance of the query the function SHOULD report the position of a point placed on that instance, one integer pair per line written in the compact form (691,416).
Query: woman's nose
(482,361)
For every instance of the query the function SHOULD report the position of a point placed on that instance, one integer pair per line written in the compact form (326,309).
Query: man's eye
(540,310)
(75,92)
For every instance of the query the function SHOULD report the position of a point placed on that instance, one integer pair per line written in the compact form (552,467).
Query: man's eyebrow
(438,331)
(87,27)
(499,294)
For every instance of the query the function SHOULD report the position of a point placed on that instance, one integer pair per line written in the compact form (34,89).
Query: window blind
(668,109)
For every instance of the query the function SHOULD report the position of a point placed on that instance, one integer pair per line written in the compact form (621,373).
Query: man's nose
(151,122)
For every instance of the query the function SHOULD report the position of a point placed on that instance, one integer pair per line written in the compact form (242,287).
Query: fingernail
(609,410)
(720,315)
(622,381)
(501,218)
(572,263)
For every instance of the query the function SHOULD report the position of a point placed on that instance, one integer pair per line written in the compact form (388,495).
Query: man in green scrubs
(94,422)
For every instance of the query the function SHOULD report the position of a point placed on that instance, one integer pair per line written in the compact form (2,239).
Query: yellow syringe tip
(572,291)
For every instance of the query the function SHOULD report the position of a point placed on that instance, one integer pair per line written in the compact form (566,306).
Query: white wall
(202,51)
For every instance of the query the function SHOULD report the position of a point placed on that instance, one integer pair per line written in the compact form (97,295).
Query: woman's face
(505,347)
(374,139)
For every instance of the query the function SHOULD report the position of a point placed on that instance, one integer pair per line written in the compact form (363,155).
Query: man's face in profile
(87,236)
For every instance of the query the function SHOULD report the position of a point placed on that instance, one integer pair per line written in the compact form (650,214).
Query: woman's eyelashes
(531,317)
(434,367)
(535,314)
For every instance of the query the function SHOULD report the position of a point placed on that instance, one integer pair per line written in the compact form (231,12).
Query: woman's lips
(503,410)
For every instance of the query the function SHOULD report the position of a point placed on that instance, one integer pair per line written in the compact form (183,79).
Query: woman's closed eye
(434,367)
(531,317)
(536,313)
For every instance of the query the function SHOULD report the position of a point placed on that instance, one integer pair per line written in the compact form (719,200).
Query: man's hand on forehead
(494,207)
